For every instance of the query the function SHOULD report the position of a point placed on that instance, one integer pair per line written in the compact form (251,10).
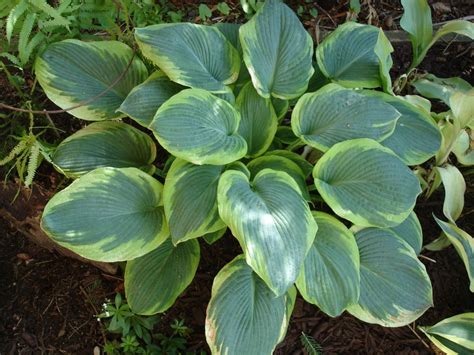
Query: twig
(80,104)
(426,258)
(96,311)
(327,14)
(420,338)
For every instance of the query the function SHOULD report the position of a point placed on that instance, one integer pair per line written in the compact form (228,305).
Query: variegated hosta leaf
(366,183)
(72,72)
(395,288)
(145,99)
(272,222)
(347,56)
(244,316)
(277,51)
(199,127)
(449,132)
(454,335)
(330,276)
(410,231)
(304,165)
(154,281)
(462,106)
(110,214)
(258,123)
(231,32)
(227,96)
(433,87)
(190,200)
(281,107)
(238,166)
(318,80)
(464,245)
(192,55)
(105,144)
(416,137)
(418,101)
(213,237)
(454,189)
(280,163)
(383,49)
(334,114)
(285,135)
(462,148)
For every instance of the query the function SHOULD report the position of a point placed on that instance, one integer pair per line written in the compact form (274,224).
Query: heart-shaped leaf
(272,222)
(154,281)
(244,316)
(110,214)
(366,183)
(190,200)
(395,288)
(277,50)
(410,231)
(330,275)
(145,99)
(280,163)
(192,55)
(416,137)
(104,144)
(304,165)
(73,72)
(231,32)
(348,56)
(199,127)
(258,122)
(334,114)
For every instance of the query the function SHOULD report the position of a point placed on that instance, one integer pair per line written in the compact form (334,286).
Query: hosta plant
(321,203)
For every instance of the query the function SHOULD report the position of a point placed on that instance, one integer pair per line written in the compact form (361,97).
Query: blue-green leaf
(110,214)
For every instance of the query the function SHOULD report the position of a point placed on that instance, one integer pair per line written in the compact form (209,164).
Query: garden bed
(48,302)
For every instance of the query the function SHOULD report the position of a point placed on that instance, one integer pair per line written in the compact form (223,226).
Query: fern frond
(20,147)
(14,16)
(50,24)
(35,41)
(14,60)
(6,7)
(33,162)
(24,37)
(51,12)
(310,344)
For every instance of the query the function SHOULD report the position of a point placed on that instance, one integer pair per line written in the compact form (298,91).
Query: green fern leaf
(14,16)
(17,149)
(35,42)
(14,60)
(33,162)
(6,7)
(51,12)
(24,37)
(310,344)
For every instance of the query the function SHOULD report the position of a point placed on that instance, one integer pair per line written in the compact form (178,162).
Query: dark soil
(48,302)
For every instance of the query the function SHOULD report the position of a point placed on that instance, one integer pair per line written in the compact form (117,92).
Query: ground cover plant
(28,27)
(217,103)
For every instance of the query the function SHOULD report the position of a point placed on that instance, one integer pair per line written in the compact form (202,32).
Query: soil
(48,302)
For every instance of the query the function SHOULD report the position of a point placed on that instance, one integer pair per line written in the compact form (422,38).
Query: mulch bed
(48,302)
